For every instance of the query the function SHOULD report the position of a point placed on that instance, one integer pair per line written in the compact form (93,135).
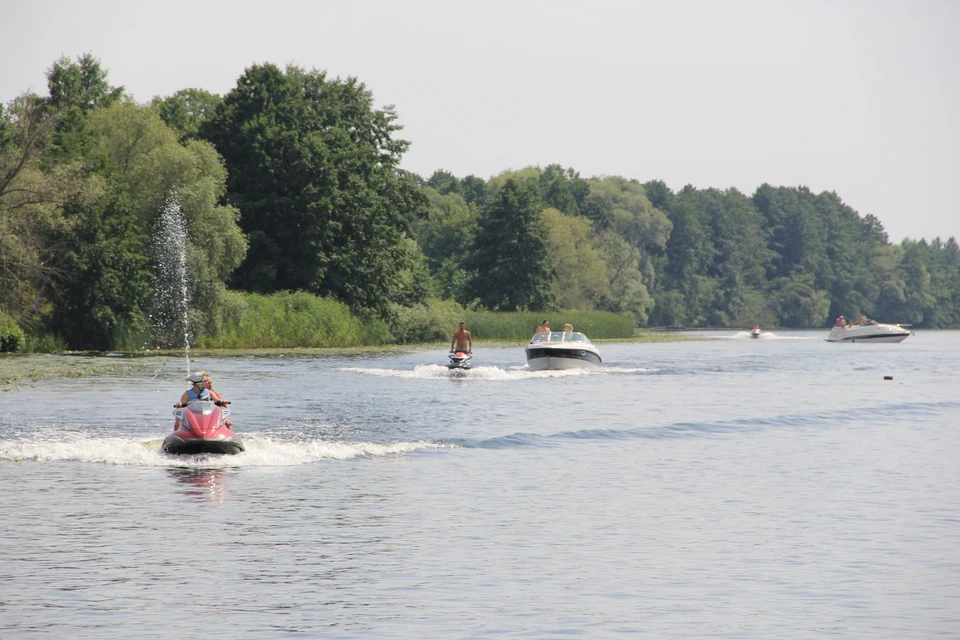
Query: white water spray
(171,301)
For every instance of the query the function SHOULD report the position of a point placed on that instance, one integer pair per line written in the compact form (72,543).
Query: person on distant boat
(543,328)
(568,328)
(863,320)
(208,384)
(462,340)
(839,322)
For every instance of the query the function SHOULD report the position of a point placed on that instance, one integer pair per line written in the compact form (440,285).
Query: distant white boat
(871,331)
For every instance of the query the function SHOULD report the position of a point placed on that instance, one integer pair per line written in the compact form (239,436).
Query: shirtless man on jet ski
(462,340)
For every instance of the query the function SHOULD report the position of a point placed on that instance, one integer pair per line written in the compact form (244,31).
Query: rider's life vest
(192,395)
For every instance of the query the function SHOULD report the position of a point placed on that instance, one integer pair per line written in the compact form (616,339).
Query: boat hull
(876,338)
(878,333)
(176,445)
(548,358)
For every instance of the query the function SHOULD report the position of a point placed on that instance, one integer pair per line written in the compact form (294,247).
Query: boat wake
(766,335)
(440,372)
(262,451)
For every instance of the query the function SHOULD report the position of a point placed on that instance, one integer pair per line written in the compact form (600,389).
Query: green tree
(798,304)
(510,262)
(633,216)
(445,235)
(797,233)
(104,281)
(314,171)
(33,192)
(444,182)
(134,148)
(562,189)
(741,257)
(187,110)
(78,88)
(81,85)
(690,254)
(474,190)
(628,295)
(581,274)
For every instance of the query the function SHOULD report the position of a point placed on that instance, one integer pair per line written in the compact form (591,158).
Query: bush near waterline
(436,321)
(12,337)
(45,343)
(289,320)
(520,325)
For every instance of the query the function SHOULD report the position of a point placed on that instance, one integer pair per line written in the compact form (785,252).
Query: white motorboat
(561,350)
(870,331)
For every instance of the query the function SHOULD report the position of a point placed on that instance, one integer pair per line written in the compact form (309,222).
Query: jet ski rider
(462,340)
(198,391)
(216,397)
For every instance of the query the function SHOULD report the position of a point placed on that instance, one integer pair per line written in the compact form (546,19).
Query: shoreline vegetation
(218,221)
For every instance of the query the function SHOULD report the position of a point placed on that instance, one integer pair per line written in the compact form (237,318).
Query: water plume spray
(171,299)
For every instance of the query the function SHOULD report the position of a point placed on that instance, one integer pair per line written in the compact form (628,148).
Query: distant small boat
(870,331)
(755,333)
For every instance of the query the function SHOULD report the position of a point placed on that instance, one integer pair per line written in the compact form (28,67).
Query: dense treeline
(291,182)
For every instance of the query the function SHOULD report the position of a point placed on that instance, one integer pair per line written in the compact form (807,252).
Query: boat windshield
(558,337)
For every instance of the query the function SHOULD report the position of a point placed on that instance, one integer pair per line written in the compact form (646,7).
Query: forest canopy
(292,181)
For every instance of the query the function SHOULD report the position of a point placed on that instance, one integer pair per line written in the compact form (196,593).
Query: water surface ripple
(729,488)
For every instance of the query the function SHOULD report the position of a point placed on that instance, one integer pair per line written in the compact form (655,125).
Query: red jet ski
(202,428)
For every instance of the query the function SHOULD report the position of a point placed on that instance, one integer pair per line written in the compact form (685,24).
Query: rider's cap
(195,378)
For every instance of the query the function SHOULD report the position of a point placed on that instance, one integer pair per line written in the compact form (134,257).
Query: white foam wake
(440,372)
(765,335)
(260,451)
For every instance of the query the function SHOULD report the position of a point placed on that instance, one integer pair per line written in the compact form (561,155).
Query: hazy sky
(857,97)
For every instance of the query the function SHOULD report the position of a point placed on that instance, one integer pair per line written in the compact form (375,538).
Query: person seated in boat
(462,340)
(196,392)
(863,320)
(208,385)
(568,328)
(839,322)
(543,328)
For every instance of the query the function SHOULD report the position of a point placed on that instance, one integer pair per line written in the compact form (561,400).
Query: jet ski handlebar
(219,403)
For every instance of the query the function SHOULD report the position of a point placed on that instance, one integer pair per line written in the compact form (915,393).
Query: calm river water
(725,488)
